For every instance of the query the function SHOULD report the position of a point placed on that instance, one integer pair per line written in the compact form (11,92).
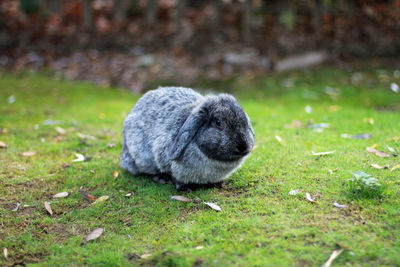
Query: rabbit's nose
(242,148)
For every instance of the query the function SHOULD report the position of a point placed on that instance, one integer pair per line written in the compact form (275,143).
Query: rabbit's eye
(218,122)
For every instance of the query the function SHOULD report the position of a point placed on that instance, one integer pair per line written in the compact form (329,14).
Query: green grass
(260,223)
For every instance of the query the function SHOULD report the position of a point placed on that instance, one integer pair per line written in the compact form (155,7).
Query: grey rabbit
(176,133)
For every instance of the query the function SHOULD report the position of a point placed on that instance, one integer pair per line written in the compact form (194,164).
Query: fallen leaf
(110,145)
(62,194)
(334,108)
(146,255)
(57,139)
(374,146)
(394,87)
(96,233)
(391,149)
(309,197)
(340,206)
(5,253)
(278,138)
(213,206)
(369,120)
(28,154)
(361,136)
(115,174)
(381,154)
(86,195)
(86,136)
(100,199)
(322,153)
(319,126)
(395,167)
(11,100)
(60,130)
(295,124)
(294,192)
(128,195)
(3,145)
(333,256)
(332,171)
(48,208)
(345,135)
(376,166)
(181,198)
(17,207)
(79,157)
(51,122)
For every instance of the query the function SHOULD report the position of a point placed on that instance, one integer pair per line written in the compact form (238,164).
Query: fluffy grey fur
(194,139)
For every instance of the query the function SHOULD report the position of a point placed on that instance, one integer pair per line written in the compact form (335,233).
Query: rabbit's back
(152,124)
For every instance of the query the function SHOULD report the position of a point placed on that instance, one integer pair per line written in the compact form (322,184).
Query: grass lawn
(260,223)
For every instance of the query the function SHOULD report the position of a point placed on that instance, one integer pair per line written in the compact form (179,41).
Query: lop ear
(187,132)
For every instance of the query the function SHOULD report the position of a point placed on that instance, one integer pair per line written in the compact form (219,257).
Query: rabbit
(175,133)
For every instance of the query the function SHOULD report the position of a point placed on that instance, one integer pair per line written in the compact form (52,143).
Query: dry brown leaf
(60,130)
(17,207)
(334,108)
(86,195)
(146,255)
(376,166)
(5,253)
(295,124)
(369,120)
(86,136)
(96,233)
(28,154)
(334,170)
(115,174)
(213,206)
(100,199)
(309,197)
(322,153)
(340,206)
(333,256)
(3,145)
(57,139)
(181,198)
(381,154)
(391,149)
(294,192)
(62,194)
(79,157)
(395,167)
(48,208)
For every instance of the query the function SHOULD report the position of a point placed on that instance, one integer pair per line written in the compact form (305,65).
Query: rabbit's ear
(187,132)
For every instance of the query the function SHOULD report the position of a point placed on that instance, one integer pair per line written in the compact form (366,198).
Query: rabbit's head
(219,127)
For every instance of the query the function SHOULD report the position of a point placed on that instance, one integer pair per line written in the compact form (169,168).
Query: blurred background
(138,43)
